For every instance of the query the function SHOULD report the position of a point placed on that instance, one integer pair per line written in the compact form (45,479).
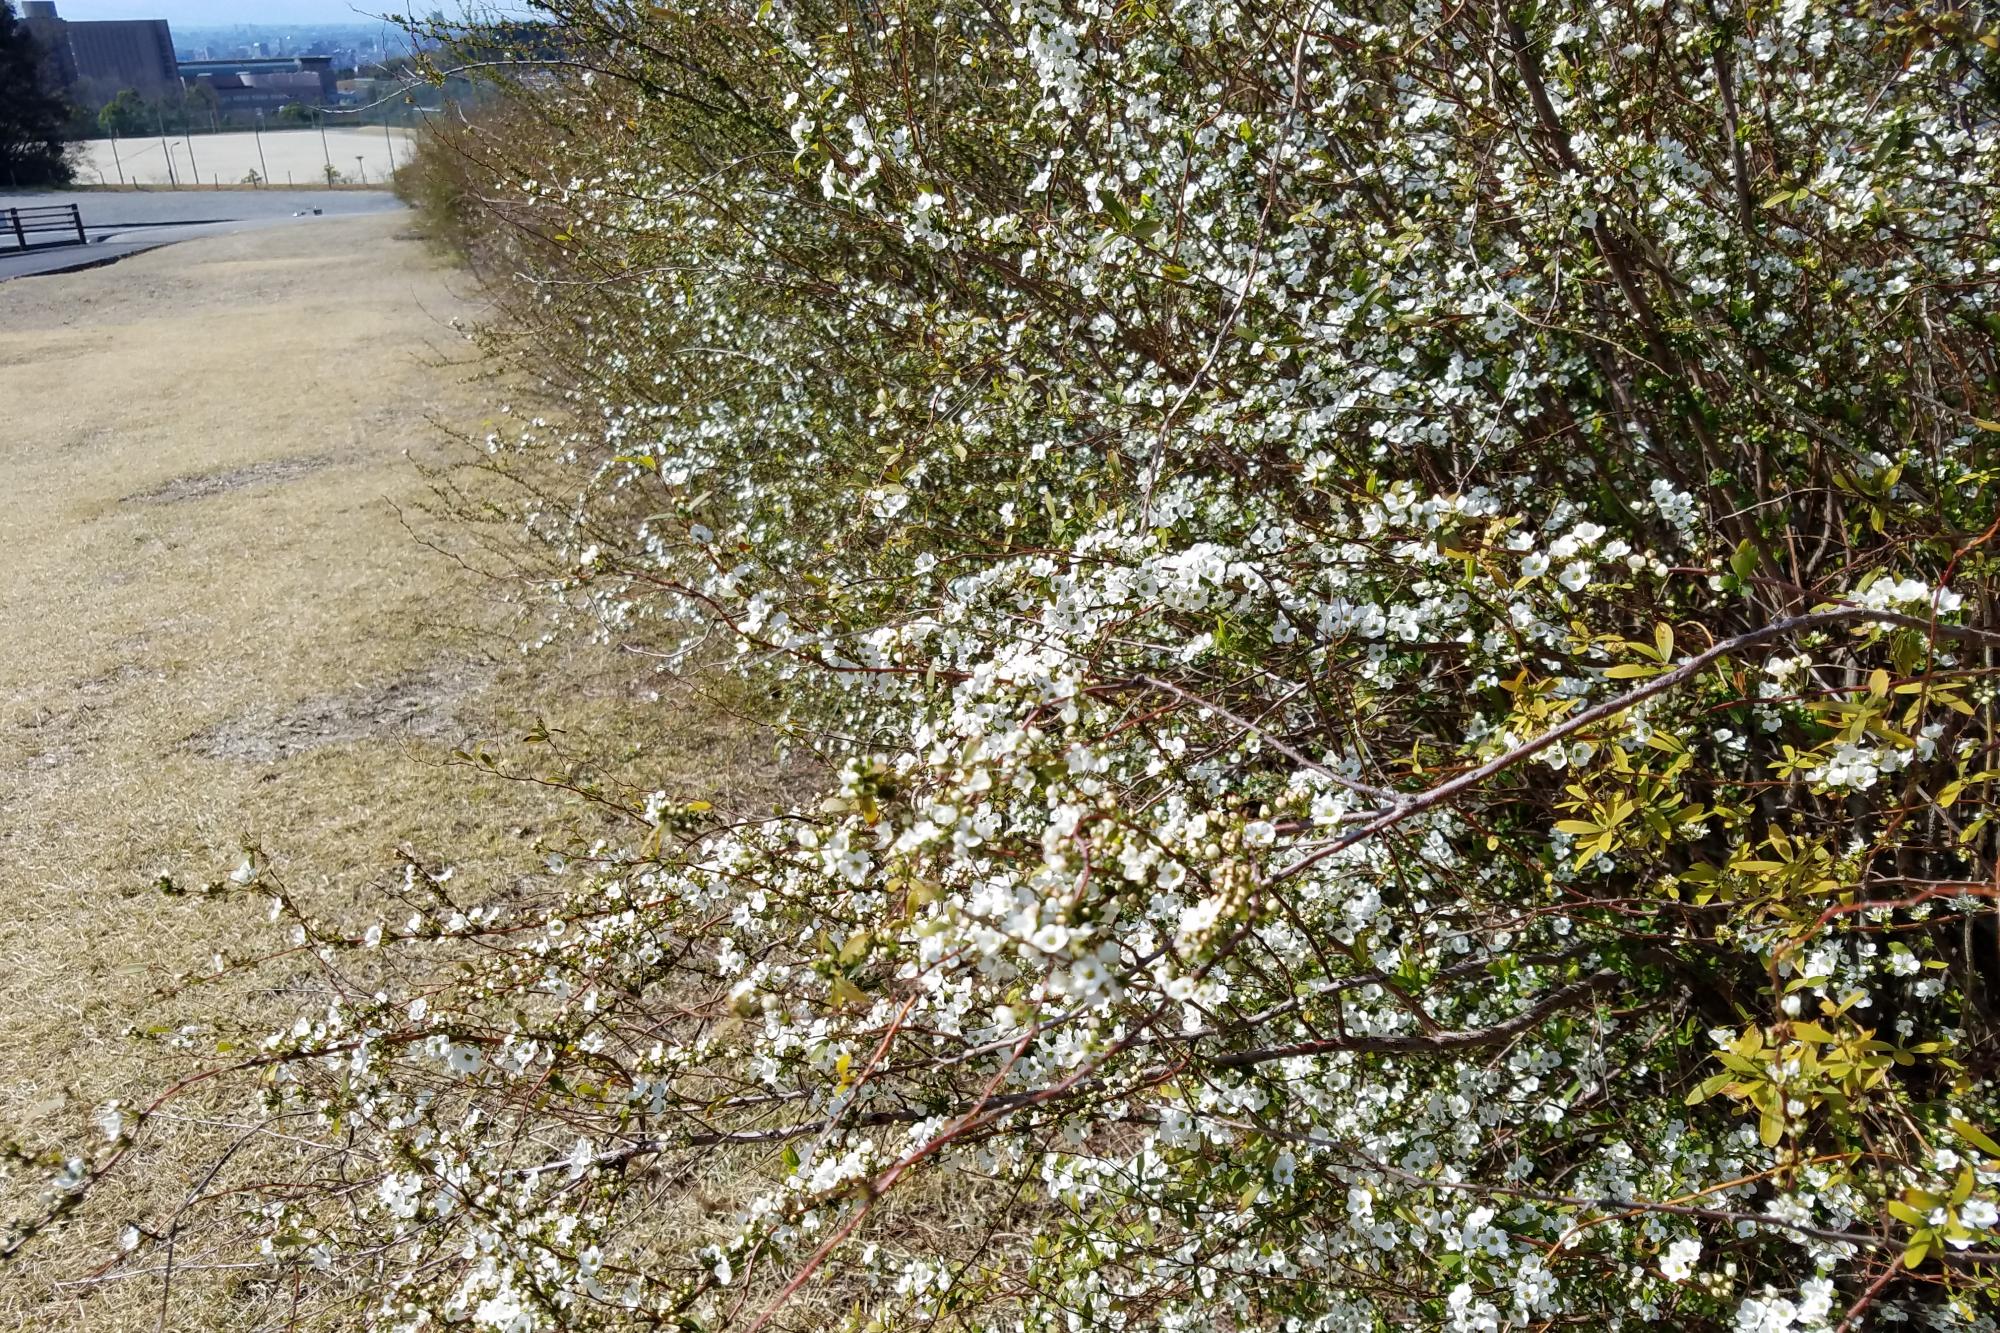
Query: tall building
(93,61)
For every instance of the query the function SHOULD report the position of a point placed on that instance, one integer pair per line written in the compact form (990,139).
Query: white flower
(1677,1264)
(1052,938)
(111,1121)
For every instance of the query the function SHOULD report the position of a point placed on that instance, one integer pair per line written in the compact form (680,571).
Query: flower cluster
(1397,754)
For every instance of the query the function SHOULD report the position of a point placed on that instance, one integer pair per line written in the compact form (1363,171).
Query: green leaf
(1743,563)
(1974,1135)
(1771,1124)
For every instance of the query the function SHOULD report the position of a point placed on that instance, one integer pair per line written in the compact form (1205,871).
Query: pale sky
(222,13)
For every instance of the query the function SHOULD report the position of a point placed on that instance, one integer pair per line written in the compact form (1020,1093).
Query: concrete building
(92,61)
(263,82)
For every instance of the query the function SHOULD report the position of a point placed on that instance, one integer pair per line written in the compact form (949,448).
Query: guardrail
(60,224)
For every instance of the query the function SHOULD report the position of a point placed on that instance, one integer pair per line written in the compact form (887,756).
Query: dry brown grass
(215,626)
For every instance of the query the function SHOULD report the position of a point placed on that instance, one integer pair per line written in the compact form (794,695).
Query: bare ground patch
(425,705)
(204,485)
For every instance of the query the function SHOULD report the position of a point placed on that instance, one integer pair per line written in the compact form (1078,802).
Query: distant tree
(31,115)
(124,115)
(204,104)
(295,113)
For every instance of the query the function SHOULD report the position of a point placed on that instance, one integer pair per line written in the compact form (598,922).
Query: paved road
(121,223)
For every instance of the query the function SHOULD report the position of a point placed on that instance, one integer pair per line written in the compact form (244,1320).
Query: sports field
(279,157)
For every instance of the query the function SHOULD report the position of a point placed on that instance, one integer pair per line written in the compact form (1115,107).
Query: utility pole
(114,160)
(160,119)
(360,171)
(259,132)
(388,142)
(325,152)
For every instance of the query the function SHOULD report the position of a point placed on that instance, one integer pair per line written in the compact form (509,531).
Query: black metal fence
(53,224)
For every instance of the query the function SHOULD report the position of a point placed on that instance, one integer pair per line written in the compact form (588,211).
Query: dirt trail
(214,626)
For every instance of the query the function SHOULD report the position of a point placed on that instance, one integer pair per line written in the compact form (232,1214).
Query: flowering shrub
(1398,606)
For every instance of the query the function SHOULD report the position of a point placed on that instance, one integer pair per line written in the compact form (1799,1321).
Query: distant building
(264,82)
(91,62)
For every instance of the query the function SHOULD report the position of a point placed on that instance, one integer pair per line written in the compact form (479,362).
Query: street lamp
(259,132)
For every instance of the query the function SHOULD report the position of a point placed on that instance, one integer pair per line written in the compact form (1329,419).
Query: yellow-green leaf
(1771,1125)
(1974,1135)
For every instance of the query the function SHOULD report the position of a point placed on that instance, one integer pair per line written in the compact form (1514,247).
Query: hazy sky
(218,13)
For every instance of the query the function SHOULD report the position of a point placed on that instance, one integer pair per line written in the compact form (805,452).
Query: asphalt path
(128,222)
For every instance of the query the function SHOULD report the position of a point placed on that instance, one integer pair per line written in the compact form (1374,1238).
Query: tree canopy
(32,115)
(124,115)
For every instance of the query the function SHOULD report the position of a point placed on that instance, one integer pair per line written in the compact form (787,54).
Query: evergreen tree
(31,116)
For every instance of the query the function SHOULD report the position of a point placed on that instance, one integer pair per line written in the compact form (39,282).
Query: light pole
(114,160)
(360,171)
(325,152)
(259,132)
